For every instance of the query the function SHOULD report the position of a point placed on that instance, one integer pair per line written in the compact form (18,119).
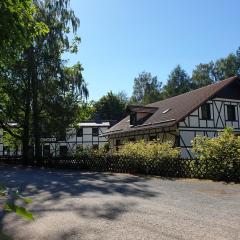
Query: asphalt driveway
(84,205)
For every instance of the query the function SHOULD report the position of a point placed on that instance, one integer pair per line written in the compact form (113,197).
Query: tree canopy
(178,82)
(18,27)
(212,72)
(146,89)
(43,96)
(110,107)
(39,92)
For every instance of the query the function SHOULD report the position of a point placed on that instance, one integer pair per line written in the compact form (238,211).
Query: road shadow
(74,183)
(55,185)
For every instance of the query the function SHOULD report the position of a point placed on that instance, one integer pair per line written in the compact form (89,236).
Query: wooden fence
(187,168)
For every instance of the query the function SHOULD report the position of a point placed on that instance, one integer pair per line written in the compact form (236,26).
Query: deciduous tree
(178,82)
(110,107)
(40,93)
(146,89)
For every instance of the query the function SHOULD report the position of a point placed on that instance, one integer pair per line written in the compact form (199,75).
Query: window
(95,131)
(79,132)
(206,111)
(133,118)
(231,113)
(63,151)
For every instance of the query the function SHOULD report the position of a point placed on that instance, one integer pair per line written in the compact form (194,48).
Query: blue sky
(121,38)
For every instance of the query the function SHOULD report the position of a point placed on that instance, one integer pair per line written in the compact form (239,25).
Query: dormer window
(139,114)
(133,118)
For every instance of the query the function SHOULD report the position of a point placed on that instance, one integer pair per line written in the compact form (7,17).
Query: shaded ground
(82,205)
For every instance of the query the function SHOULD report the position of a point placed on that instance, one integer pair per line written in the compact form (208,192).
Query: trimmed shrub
(149,150)
(150,157)
(219,157)
(135,157)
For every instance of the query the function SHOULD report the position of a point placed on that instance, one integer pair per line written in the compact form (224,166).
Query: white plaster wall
(196,126)
(186,138)
(218,115)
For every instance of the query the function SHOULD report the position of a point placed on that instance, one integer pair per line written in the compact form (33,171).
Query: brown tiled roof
(140,108)
(176,108)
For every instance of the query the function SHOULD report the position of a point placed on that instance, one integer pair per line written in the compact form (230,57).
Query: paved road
(82,205)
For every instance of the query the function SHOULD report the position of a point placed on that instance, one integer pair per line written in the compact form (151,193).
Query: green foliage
(149,150)
(149,157)
(9,140)
(85,111)
(203,75)
(18,27)
(212,72)
(9,197)
(106,147)
(178,82)
(146,89)
(110,107)
(62,103)
(139,157)
(74,81)
(216,158)
(219,156)
(227,67)
(38,91)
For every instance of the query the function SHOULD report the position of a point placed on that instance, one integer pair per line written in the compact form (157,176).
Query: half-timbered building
(86,134)
(179,119)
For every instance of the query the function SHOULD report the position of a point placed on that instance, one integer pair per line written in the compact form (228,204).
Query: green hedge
(215,158)
(219,157)
(136,157)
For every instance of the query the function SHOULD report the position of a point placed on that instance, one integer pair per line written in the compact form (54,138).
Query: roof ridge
(180,105)
(207,86)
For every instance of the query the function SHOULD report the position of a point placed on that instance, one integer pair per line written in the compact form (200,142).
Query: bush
(219,157)
(151,157)
(149,150)
(133,157)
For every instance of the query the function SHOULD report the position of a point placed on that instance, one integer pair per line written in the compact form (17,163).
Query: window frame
(94,134)
(81,131)
(229,116)
(208,115)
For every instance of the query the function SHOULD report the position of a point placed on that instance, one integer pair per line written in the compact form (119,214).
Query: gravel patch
(77,205)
